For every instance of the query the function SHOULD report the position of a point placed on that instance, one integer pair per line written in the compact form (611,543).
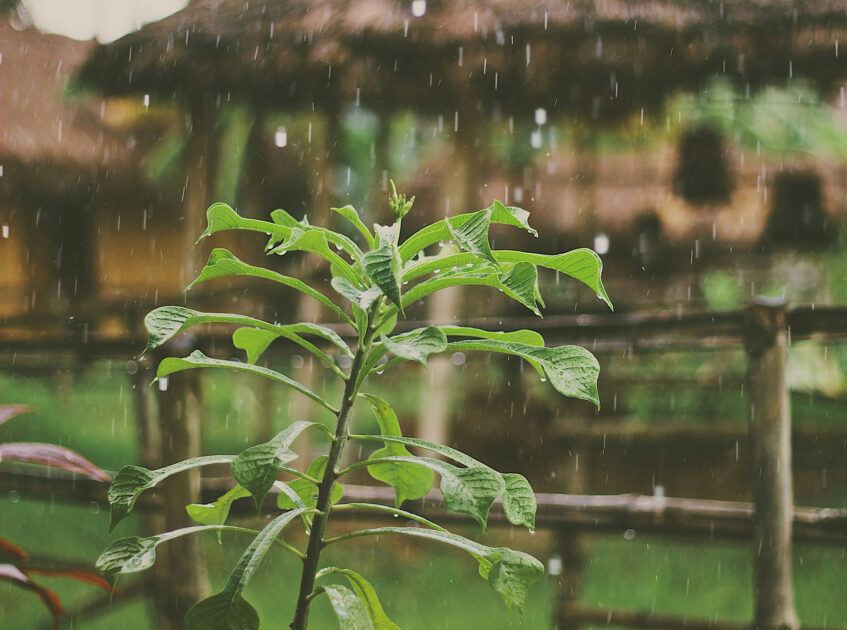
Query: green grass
(422,586)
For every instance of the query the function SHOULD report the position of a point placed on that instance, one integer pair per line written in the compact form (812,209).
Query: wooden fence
(770,523)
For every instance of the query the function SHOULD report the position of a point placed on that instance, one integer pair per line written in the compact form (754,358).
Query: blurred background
(699,147)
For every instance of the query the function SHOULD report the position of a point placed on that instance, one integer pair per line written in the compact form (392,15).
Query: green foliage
(374,283)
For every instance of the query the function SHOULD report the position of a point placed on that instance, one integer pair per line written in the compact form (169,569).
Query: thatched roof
(42,128)
(602,58)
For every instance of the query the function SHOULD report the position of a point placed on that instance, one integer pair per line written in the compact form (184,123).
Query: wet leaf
(352,613)
(53,456)
(519,503)
(418,344)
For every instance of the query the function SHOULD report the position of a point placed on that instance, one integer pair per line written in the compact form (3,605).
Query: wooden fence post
(766,342)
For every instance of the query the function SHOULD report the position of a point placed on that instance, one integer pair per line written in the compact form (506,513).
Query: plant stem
(316,542)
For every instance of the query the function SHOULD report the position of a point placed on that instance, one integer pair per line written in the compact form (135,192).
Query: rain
(683,164)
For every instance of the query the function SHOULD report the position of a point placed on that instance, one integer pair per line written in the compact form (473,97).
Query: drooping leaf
(16,576)
(519,503)
(255,341)
(366,594)
(527,337)
(351,612)
(197,359)
(53,456)
(440,231)
(256,468)
(418,344)
(410,481)
(228,610)
(520,283)
(7,412)
(223,263)
(517,571)
(469,491)
(472,235)
(349,213)
(572,370)
(383,267)
(131,481)
(77,575)
(216,513)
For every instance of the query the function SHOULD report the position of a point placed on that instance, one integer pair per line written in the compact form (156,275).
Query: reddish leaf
(51,455)
(7,412)
(14,575)
(80,575)
(9,548)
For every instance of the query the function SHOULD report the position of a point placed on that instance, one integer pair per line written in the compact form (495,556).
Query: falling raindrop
(540,116)
(629,534)
(146,101)
(601,244)
(163,384)
(5,231)
(536,140)
(281,137)
(418,8)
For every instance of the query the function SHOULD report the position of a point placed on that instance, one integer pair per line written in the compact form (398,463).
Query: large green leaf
(572,370)
(417,345)
(440,231)
(131,481)
(470,491)
(217,512)
(521,284)
(223,263)
(515,571)
(349,213)
(228,610)
(256,468)
(383,266)
(352,613)
(519,503)
(528,337)
(410,481)
(254,341)
(366,594)
(199,360)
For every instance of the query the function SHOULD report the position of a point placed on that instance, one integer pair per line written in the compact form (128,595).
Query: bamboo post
(766,342)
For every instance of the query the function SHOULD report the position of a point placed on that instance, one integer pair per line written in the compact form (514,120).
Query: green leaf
(307,491)
(469,491)
(520,283)
(131,481)
(527,337)
(359,298)
(133,554)
(472,235)
(516,572)
(418,344)
(582,264)
(366,594)
(223,263)
(349,213)
(410,481)
(519,503)
(221,217)
(315,241)
(572,370)
(351,612)
(440,231)
(199,360)
(228,610)
(281,217)
(383,267)
(216,513)
(256,468)
(254,341)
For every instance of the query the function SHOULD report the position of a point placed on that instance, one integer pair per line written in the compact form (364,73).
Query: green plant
(375,284)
